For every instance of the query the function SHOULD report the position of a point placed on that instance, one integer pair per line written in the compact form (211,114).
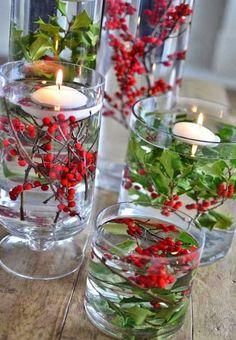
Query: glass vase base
(217,245)
(122,333)
(53,260)
(109,175)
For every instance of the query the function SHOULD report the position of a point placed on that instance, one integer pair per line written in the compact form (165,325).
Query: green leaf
(161,181)
(216,169)
(51,30)
(215,219)
(207,220)
(61,6)
(223,221)
(187,239)
(138,314)
(123,248)
(39,48)
(179,314)
(115,228)
(81,21)
(101,272)
(171,163)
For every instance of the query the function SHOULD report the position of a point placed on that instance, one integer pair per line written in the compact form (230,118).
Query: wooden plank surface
(35,310)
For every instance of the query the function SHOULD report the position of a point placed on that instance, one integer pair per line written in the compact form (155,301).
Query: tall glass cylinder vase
(148,42)
(185,157)
(66,30)
(48,147)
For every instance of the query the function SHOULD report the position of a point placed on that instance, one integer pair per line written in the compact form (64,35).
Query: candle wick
(59,86)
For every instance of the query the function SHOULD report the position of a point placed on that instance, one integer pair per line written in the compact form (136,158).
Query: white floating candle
(59,96)
(195,133)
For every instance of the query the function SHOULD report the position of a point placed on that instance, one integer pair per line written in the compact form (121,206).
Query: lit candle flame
(194,108)
(154,66)
(59,78)
(200,119)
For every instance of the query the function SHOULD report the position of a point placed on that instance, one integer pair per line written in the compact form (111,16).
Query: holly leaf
(171,163)
(216,169)
(138,314)
(207,220)
(179,313)
(223,221)
(101,272)
(81,21)
(123,248)
(187,239)
(39,48)
(215,219)
(161,181)
(116,228)
(52,30)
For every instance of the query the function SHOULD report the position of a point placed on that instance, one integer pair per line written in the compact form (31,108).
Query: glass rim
(201,231)
(18,62)
(199,142)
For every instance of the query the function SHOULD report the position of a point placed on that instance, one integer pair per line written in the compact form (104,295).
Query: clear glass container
(147,45)
(195,172)
(66,30)
(49,137)
(141,271)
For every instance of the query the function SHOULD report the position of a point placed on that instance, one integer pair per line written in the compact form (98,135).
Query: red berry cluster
(170,204)
(61,171)
(130,53)
(156,272)
(225,190)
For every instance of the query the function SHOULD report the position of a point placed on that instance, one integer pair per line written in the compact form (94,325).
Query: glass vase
(192,173)
(141,271)
(49,138)
(147,44)
(65,30)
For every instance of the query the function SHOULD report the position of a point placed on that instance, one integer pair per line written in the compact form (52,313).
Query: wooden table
(38,310)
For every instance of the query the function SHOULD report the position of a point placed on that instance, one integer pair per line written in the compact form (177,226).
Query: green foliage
(171,172)
(187,239)
(50,39)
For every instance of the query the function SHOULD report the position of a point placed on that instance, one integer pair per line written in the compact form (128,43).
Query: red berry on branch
(46,121)
(27,186)
(22,162)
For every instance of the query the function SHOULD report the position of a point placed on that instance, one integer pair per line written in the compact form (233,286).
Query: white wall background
(212,49)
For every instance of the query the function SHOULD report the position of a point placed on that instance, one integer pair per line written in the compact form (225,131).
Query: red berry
(61,117)
(127,185)
(27,186)
(36,184)
(13,152)
(71,204)
(44,187)
(47,147)
(206,204)
(72,119)
(46,120)
(6,143)
(141,172)
(154,195)
(22,162)
(61,206)
(53,175)
(48,157)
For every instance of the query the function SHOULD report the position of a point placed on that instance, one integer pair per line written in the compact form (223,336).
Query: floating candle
(195,133)
(59,96)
